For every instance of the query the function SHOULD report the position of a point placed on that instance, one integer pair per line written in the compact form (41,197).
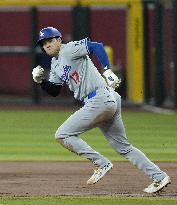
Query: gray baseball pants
(104,111)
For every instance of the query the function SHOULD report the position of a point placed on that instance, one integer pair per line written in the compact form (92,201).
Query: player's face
(52,46)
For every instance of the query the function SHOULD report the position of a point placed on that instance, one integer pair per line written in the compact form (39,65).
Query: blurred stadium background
(140,37)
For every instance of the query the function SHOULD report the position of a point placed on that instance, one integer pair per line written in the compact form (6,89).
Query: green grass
(86,201)
(29,135)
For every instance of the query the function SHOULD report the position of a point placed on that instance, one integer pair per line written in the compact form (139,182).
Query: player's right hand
(38,74)
(112,80)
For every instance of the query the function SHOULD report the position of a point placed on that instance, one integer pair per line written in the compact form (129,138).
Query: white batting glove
(38,74)
(112,80)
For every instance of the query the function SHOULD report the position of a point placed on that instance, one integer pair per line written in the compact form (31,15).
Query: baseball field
(34,169)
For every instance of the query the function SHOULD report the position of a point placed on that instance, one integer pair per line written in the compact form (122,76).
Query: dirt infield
(69,178)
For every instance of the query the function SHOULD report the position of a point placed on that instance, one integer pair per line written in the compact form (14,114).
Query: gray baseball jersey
(74,67)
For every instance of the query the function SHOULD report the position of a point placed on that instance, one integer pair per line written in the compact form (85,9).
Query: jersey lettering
(75,76)
(65,76)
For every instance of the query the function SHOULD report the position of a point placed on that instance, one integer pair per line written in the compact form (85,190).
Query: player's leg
(94,112)
(114,132)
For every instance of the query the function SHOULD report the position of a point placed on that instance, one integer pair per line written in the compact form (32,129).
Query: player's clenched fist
(38,74)
(112,80)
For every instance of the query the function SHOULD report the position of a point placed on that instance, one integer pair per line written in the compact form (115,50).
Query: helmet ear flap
(42,49)
(41,46)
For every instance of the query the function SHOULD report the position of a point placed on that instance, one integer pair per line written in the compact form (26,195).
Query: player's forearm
(51,88)
(99,51)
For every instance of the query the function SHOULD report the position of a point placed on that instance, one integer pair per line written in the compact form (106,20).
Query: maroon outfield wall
(107,25)
(14,70)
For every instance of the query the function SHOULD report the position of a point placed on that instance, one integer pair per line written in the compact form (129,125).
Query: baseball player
(101,108)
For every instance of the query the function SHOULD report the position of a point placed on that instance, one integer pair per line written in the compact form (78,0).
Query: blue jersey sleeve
(99,51)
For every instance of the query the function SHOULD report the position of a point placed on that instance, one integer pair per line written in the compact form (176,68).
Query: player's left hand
(112,80)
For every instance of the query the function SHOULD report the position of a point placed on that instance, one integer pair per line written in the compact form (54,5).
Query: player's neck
(58,53)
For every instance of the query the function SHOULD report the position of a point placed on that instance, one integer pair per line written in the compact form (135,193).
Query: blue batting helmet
(48,32)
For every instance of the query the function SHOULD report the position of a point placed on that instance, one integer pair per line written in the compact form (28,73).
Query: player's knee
(59,138)
(60,134)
